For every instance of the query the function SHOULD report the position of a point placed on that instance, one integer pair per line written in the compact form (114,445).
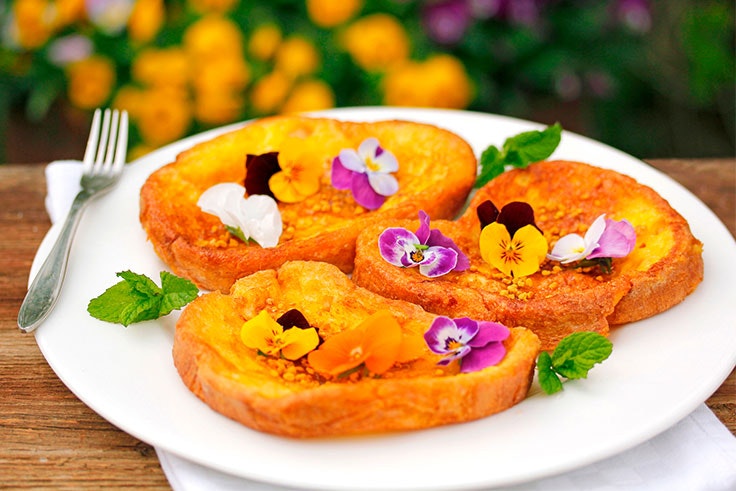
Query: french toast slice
(288,398)
(665,266)
(436,172)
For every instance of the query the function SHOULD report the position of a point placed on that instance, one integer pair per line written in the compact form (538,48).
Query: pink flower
(367,173)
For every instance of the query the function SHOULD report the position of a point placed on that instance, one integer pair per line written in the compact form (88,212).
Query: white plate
(660,370)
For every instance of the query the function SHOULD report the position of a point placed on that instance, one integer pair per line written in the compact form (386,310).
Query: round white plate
(660,370)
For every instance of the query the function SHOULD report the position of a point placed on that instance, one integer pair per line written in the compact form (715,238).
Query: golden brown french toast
(663,268)
(436,170)
(276,395)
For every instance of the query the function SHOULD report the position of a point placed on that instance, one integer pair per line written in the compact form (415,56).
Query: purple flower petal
(480,358)
(364,194)
(437,238)
(489,332)
(341,176)
(617,240)
(423,230)
(438,261)
(445,336)
(516,215)
(392,245)
(487,213)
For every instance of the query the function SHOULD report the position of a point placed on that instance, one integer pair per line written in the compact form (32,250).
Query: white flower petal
(569,248)
(593,235)
(367,148)
(350,159)
(383,184)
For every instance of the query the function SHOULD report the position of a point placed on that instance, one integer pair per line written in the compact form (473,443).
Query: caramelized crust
(436,171)
(665,266)
(287,398)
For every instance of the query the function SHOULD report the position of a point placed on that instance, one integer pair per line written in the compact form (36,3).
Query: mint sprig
(573,358)
(137,298)
(518,151)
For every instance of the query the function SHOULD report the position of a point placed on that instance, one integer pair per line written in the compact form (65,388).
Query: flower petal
(382,341)
(258,170)
(489,332)
(568,249)
(391,244)
(260,332)
(261,220)
(350,159)
(438,261)
(480,358)
(339,353)
(437,238)
(341,176)
(423,231)
(617,240)
(532,248)
(439,331)
(298,342)
(516,215)
(593,235)
(487,213)
(364,194)
(383,184)
(215,200)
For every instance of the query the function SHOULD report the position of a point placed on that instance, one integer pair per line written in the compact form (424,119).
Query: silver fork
(103,164)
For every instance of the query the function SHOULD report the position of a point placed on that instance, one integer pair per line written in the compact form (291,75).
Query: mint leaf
(576,354)
(548,379)
(137,298)
(573,358)
(518,151)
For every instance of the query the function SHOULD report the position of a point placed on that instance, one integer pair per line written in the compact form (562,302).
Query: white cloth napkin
(697,454)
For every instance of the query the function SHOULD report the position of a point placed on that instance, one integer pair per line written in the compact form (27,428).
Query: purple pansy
(367,173)
(605,238)
(476,344)
(434,253)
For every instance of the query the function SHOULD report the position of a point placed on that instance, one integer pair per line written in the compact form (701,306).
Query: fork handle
(46,286)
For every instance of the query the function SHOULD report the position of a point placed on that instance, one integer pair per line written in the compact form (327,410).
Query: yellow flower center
(416,256)
(372,165)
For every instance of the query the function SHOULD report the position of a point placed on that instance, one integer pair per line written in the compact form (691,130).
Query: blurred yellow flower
(128,98)
(146,19)
(264,41)
(204,6)
(90,81)
(34,22)
(376,42)
(296,56)
(269,92)
(224,73)
(68,11)
(161,67)
(309,95)
(441,81)
(164,115)
(330,13)
(213,36)
(217,107)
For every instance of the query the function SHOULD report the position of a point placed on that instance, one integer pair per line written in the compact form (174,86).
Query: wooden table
(52,440)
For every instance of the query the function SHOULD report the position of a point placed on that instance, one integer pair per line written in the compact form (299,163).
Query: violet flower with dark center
(477,345)
(430,250)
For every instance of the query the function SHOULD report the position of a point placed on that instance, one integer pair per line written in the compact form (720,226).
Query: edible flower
(367,173)
(377,344)
(270,338)
(511,241)
(255,218)
(476,344)
(605,239)
(297,179)
(433,252)
(258,171)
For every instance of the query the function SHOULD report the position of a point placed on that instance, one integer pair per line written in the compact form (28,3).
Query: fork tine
(103,142)
(122,143)
(94,133)
(107,166)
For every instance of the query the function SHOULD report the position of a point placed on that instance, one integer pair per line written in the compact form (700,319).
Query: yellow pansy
(264,41)
(264,334)
(90,81)
(330,13)
(376,42)
(309,95)
(296,56)
(146,20)
(299,177)
(515,256)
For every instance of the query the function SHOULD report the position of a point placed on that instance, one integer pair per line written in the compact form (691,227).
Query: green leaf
(577,353)
(518,151)
(548,379)
(137,298)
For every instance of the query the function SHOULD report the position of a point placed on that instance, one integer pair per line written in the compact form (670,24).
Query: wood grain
(51,440)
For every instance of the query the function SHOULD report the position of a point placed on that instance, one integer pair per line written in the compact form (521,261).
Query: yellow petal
(532,248)
(283,188)
(493,241)
(299,342)
(262,333)
(517,256)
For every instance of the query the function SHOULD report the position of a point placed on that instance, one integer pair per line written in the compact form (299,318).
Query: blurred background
(653,78)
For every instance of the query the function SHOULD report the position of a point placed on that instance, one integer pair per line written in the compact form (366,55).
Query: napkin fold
(697,454)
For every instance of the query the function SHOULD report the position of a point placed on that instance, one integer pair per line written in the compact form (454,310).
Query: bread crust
(436,172)
(665,266)
(235,381)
